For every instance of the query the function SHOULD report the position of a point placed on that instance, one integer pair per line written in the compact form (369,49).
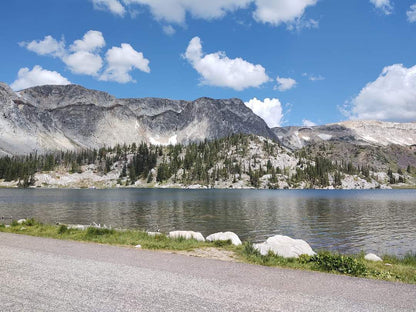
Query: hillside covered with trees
(237,161)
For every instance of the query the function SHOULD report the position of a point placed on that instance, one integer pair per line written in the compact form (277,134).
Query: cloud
(383,5)
(316,78)
(392,96)
(92,41)
(174,11)
(83,62)
(216,69)
(276,12)
(313,77)
(285,84)
(308,123)
(301,23)
(121,61)
(411,13)
(37,76)
(47,46)
(270,110)
(114,6)
(83,56)
(169,30)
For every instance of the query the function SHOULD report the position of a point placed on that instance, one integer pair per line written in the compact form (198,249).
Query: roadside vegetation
(391,269)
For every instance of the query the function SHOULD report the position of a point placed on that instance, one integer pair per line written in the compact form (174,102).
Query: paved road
(38,274)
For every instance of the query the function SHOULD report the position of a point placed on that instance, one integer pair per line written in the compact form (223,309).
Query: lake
(380,221)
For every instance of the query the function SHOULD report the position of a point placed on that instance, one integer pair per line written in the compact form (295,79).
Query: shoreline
(392,268)
(201,187)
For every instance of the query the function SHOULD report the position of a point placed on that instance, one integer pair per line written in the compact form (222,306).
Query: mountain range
(71,117)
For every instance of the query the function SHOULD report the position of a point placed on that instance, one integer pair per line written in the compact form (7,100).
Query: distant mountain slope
(49,118)
(354,132)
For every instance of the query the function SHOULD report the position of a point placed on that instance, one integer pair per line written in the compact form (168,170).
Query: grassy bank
(391,269)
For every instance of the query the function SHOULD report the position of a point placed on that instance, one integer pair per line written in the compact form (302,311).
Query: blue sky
(317,61)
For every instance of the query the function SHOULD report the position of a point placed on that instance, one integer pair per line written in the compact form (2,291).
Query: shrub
(249,249)
(2,225)
(93,231)
(338,263)
(62,229)
(29,222)
(222,243)
(14,223)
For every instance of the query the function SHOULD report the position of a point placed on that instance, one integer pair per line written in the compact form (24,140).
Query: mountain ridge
(72,117)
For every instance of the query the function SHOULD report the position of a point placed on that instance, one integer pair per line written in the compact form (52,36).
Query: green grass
(391,269)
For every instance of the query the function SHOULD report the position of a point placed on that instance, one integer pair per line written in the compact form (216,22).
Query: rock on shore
(284,246)
(225,236)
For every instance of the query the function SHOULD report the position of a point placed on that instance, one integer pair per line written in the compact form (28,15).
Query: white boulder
(225,236)
(187,235)
(153,234)
(372,257)
(284,246)
(21,221)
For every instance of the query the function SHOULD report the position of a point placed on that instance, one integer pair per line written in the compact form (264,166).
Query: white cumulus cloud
(174,11)
(27,78)
(276,12)
(270,110)
(90,42)
(285,84)
(383,5)
(392,96)
(114,6)
(83,62)
(216,69)
(122,60)
(47,46)
(411,13)
(83,56)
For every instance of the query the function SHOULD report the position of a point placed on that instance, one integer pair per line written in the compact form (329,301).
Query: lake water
(381,221)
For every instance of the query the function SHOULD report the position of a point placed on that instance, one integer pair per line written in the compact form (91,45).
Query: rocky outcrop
(285,247)
(71,117)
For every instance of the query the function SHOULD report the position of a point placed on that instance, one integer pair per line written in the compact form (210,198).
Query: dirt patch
(211,253)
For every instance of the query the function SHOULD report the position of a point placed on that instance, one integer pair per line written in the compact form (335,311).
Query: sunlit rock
(284,246)
(225,236)
(372,257)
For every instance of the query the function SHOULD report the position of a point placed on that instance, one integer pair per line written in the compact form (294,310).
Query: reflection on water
(346,221)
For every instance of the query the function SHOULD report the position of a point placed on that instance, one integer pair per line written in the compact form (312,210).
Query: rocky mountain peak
(55,96)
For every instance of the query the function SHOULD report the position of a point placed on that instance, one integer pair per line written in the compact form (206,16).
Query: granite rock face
(48,118)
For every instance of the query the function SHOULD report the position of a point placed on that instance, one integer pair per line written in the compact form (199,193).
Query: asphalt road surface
(38,274)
